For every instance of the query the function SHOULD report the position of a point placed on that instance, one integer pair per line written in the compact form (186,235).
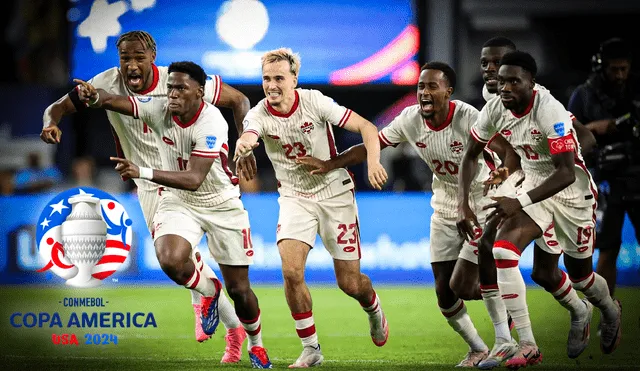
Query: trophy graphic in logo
(84,235)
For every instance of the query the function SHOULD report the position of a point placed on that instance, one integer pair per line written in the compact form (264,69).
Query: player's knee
(543,277)
(292,276)
(237,291)
(171,259)
(350,287)
(462,288)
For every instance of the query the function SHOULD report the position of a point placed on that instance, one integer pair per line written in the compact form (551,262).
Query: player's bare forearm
(371,142)
(563,176)
(189,179)
(508,156)
(468,169)
(352,156)
(116,103)
(237,102)
(60,108)
(585,137)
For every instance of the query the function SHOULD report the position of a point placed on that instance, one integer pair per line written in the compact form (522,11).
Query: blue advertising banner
(394,230)
(345,42)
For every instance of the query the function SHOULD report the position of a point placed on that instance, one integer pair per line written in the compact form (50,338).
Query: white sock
(595,288)
(253,328)
(568,297)
(497,312)
(306,329)
(512,288)
(201,284)
(373,308)
(199,262)
(460,321)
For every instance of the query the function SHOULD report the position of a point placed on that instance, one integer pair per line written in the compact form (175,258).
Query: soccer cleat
(472,358)
(259,358)
(310,357)
(200,335)
(379,329)
(500,353)
(611,332)
(234,339)
(209,311)
(528,354)
(580,332)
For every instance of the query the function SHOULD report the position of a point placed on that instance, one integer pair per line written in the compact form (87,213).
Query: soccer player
(436,127)
(557,188)
(490,56)
(294,123)
(192,138)
(138,75)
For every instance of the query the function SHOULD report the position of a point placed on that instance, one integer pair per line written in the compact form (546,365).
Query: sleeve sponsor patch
(143,99)
(211,141)
(558,127)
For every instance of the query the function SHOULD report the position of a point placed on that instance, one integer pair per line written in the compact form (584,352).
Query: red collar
(193,119)
(447,122)
(273,111)
(528,109)
(154,84)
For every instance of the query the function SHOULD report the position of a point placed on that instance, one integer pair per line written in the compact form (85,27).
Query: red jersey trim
(134,108)
(218,90)
(193,119)
(529,107)
(476,137)
(154,84)
(296,102)
(447,122)
(386,141)
(562,144)
(344,118)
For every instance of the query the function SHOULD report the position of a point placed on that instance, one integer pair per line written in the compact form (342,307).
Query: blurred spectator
(35,178)
(608,103)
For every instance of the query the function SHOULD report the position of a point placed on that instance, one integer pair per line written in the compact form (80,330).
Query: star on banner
(57,208)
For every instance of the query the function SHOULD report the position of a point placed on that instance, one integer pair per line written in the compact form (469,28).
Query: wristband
(146,173)
(91,104)
(524,200)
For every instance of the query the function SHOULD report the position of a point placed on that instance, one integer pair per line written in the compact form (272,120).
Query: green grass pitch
(420,338)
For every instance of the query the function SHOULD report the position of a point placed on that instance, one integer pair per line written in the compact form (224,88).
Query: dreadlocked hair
(144,37)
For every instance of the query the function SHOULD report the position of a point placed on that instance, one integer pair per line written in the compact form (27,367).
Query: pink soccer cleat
(200,335)
(528,354)
(234,339)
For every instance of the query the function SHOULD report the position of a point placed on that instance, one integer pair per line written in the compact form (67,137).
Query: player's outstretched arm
(99,98)
(467,220)
(377,173)
(237,102)
(507,154)
(189,179)
(245,145)
(64,106)
(352,156)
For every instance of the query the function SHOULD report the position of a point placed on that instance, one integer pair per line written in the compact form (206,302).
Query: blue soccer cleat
(209,312)
(259,358)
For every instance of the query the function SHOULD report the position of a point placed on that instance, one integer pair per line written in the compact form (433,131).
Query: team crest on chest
(307,127)
(456,147)
(536,135)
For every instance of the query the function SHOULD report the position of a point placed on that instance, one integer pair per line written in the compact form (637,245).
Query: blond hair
(283,54)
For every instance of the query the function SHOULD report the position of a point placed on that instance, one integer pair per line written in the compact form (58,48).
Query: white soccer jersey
(304,131)
(442,148)
(133,137)
(545,128)
(205,135)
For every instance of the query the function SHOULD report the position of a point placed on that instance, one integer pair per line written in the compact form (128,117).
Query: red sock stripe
(373,300)
(453,312)
(306,332)
(564,293)
(591,281)
(562,282)
(299,316)
(489,287)
(504,244)
(506,263)
(578,280)
(372,309)
(250,321)
(254,332)
(195,283)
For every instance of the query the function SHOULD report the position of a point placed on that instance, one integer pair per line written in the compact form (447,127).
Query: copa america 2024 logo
(84,235)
